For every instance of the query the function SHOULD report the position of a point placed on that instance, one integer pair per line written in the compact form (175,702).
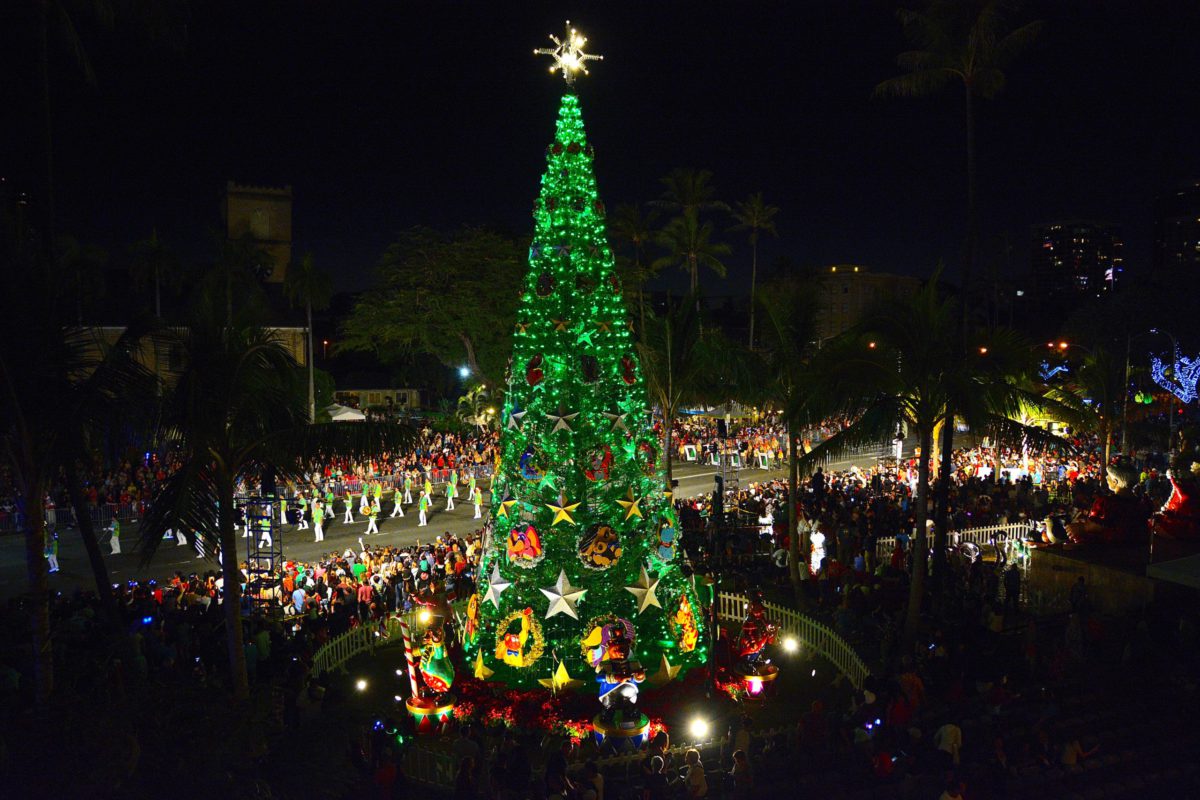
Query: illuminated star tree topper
(568,54)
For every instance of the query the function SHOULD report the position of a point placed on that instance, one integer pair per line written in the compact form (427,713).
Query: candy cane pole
(408,656)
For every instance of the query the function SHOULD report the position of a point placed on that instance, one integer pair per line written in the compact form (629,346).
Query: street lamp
(464,372)
(324,349)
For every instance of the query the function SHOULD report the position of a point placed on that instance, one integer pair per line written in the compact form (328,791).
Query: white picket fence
(980,536)
(364,639)
(819,637)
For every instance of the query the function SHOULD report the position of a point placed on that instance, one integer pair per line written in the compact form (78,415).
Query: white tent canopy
(339,413)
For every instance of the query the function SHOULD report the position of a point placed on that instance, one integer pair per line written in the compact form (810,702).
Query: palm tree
(152,263)
(686,189)
(85,263)
(233,413)
(629,225)
(968,43)
(60,389)
(674,364)
(689,246)
(240,262)
(789,327)
(1095,393)
(755,216)
(312,288)
(891,371)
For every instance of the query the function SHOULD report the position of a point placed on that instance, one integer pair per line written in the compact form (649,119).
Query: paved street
(693,480)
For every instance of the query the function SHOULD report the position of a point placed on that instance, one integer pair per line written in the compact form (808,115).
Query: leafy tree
(233,413)
(755,216)
(451,295)
(310,288)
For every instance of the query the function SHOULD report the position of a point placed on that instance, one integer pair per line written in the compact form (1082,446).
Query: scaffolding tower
(264,556)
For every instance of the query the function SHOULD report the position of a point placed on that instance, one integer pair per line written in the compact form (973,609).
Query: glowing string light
(1178,378)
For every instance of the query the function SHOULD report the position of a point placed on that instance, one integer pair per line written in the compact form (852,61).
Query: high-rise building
(1076,259)
(847,290)
(263,213)
(1177,233)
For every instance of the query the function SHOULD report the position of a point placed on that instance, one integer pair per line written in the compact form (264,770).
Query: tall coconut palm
(232,413)
(687,189)
(755,216)
(891,372)
(1095,392)
(635,229)
(239,265)
(966,43)
(689,246)
(789,328)
(310,288)
(153,263)
(674,364)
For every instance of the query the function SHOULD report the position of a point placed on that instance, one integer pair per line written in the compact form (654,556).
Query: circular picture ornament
(533,370)
(628,370)
(519,639)
(614,282)
(531,464)
(556,148)
(573,148)
(647,457)
(584,284)
(524,546)
(600,633)
(599,464)
(683,624)
(599,546)
(589,368)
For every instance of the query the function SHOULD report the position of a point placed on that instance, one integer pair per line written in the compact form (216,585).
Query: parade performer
(422,510)
(372,515)
(349,517)
(301,509)
(477,498)
(318,520)
(115,541)
(407,488)
(451,493)
(51,551)
(397,506)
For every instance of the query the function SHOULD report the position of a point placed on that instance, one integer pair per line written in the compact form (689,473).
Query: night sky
(383,115)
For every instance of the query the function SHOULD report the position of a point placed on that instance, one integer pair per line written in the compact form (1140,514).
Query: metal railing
(821,638)
(981,536)
(364,639)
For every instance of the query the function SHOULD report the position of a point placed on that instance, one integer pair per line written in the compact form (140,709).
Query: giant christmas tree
(582,545)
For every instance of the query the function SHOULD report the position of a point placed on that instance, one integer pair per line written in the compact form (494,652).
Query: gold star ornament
(666,672)
(481,671)
(631,505)
(561,680)
(562,512)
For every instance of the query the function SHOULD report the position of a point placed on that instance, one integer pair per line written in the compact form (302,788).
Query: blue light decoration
(1178,378)
(1047,372)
